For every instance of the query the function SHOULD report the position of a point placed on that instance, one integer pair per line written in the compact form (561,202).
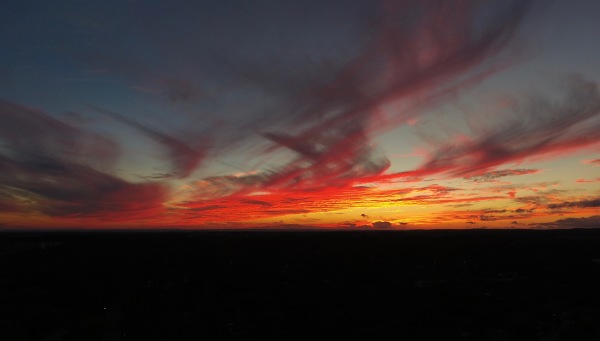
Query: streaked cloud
(536,127)
(582,222)
(572,204)
(491,176)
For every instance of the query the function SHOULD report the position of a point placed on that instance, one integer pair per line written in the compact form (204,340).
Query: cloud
(338,156)
(523,210)
(8,201)
(50,167)
(59,188)
(460,205)
(286,212)
(206,208)
(532,199)
(184,158)
(496,211)
(493,175)
(323,116)
(594,162)
(241,206)
(537,127)
(585,180)
(485,215)
(382,224)
(227,185)
(571,204)
(330,119)
(487,218)
(256,202)
(30,132)
(244,197)
(583,222)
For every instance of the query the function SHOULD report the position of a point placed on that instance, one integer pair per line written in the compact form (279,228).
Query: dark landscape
(412,285)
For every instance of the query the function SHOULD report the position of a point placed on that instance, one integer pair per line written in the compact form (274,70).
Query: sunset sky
(300,114)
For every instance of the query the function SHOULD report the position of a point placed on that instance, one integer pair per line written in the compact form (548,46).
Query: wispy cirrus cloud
(330,119)
(322,115)
(29,132)
(50,167)
(183,158)
(491,176)
(537,127)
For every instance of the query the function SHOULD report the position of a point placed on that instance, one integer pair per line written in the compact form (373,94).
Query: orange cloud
(584,180)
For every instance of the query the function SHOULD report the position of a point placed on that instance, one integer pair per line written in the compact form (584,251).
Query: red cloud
(584,180)
(242,206)
(538,127)
(409,58)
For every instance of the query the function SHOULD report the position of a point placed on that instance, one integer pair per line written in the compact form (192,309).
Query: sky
(339,114)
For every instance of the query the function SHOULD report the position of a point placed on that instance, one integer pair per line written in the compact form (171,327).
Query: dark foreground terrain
(444,285)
